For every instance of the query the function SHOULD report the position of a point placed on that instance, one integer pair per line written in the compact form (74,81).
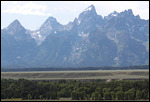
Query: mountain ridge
(88,41)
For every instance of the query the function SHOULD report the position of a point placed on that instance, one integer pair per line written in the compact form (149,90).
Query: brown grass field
(65,99)
(78,75)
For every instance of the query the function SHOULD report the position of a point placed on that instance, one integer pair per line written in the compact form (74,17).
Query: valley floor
(78,75)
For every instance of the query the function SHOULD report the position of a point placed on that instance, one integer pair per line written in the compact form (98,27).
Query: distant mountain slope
(119,39)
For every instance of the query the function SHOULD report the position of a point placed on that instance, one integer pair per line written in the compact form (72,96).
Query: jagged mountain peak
(90,8)
(49,21)
(111,15)
(49,26)
(128,12)
(16,21)
(15,24)
(52,19)
(15,27)
(138,17)
(88,12)
(114,13)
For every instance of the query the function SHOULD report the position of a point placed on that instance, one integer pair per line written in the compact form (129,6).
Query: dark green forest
(76,89)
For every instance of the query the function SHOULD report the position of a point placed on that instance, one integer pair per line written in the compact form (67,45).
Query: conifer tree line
(77,90)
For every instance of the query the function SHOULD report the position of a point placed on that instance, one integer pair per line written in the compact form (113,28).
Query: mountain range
(119,39)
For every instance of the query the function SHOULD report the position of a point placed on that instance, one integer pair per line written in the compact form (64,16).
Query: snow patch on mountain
(37,36)
(114,15)
(79,21)
(83,35)
(88,9)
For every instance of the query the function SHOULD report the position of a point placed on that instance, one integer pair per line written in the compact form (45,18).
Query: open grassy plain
(78,75)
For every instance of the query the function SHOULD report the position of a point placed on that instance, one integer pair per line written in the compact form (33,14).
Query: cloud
(26,8)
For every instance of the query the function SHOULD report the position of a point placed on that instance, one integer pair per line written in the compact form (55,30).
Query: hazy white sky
(32,14)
